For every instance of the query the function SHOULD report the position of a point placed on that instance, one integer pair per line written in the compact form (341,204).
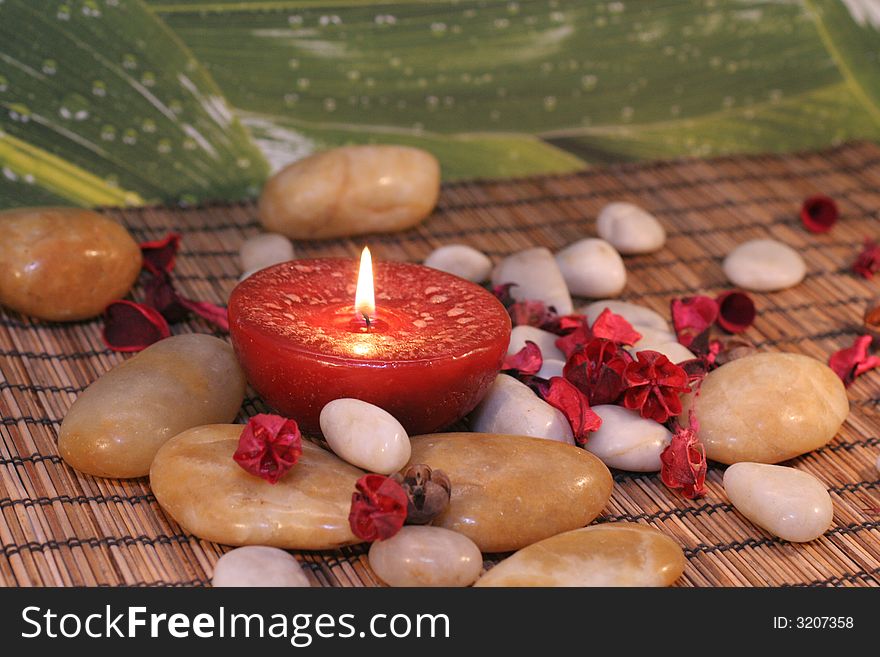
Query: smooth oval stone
(365,435)
(511,491)
(261,251)
(551,368)
(461,260)
(674,351)
(768,408)
(426,556)
(630,229)
(764,266)
(116,426)
(653,336)
(627,441)
(638,316)
(788,503)
(64,264)
(537,278)
(511,407)
(545,340)
(258,565)
(196,481)
(351,190)
(612,554)
(592,268)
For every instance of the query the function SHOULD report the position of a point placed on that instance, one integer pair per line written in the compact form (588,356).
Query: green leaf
(100,102)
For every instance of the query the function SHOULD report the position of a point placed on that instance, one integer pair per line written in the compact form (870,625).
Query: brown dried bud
(733,350)
(872,318)
(427,490)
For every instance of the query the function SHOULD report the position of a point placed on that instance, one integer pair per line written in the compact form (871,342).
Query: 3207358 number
(823,622)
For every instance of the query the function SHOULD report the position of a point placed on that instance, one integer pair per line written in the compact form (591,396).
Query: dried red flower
(269,446)
(653,386)
(130,326)
(692,318)
(819,213)
(614,327)
(378,508)
(683,461)
(597,371)
(161,294)
(868,261)
(576,334)
(564,396)
(532,313)
(526,362)
(853,361)
(502,293)
(736,311)
(159,255)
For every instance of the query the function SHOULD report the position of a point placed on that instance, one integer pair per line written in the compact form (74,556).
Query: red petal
(378,508)
(208,311)
(692,318)
(561,394)
(579,334)
(613,327)
(853,361)
(269,446)
(160,294)
(532,313)
(130,326)
(597,371)
(683,462)
(159,255)
(526,362)
(868,261)
(736,311)
(819,213)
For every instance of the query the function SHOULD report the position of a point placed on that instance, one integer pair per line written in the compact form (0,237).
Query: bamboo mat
(58,527)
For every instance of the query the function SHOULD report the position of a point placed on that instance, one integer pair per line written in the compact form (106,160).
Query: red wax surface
(433,349)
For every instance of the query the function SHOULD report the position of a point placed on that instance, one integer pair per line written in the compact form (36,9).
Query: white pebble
(653,336)
(263,250)
(788,503)
(426,556)
(510,407)
(545,340)
(764,266)
(461,260)
(592,268)
(258,565)
(638,316)
(674,351)
(365,435)
(627,441)
(551,368)
(630,229)
(537,278)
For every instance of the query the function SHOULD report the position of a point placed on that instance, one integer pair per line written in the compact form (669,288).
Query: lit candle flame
(365,297)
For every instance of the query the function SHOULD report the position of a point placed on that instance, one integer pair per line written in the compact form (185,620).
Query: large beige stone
(614,554)
(351,191)
(197,483)
(116,426)
(768,408)
(64,264)
(511,491)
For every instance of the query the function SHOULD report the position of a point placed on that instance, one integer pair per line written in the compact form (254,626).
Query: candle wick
(367,319)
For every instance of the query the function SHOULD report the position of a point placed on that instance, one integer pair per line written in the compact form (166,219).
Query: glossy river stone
(612,554)
(64,264)
(511,491)
(196,481)
(768,407)
(116,426)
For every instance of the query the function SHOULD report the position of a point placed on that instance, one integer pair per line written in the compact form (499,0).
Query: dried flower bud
(427,490)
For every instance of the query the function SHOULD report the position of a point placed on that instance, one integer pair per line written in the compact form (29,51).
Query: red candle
(426,350)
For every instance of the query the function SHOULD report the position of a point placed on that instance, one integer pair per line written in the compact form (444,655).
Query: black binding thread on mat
(95,542)
(79,499)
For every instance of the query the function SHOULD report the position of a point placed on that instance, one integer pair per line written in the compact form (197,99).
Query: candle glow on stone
(365,296)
